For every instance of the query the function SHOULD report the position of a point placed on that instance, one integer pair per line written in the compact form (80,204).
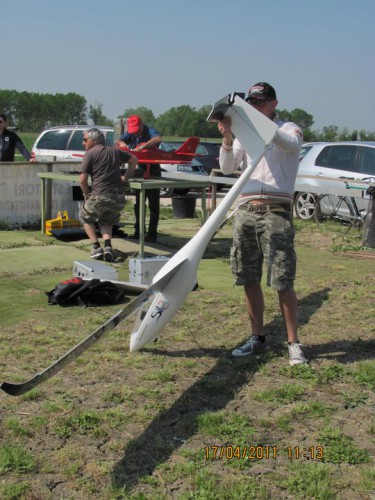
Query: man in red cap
(140,136)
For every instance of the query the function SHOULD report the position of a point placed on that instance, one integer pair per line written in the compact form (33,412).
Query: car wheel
(304,205)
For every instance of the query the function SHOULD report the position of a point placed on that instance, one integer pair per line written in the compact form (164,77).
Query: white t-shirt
(274,177)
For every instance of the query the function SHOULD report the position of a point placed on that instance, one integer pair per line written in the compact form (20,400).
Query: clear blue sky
(318,54)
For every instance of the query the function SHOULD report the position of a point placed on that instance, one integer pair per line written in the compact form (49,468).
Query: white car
(319,160)
(64,141)
(194,168)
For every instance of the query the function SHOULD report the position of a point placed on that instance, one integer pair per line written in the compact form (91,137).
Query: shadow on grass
(345,351)
(210,393)
(218,247)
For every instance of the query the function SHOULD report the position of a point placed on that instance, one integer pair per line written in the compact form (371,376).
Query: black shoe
(108,254)
(120,234)
(151,238)
(134,236)
(96,253)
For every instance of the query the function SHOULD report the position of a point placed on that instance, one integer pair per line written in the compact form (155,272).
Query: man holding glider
(263,229)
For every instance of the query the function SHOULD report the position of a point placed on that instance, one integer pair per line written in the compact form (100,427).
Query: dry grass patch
(144,425)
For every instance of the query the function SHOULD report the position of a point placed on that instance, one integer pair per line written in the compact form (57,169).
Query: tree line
(184,121)
(33,112)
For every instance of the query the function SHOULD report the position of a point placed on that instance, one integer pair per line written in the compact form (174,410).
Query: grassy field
(28,138)
(183,419)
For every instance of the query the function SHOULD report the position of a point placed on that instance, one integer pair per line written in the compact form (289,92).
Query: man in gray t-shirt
(102,164)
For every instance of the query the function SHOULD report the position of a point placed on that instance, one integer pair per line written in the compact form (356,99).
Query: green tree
(366,136)
(204,128)
(8,104)
(146,114)
(32,112)
(184,121)
(74,111)
(301,118)
(96,115)
(330,133)
(345,135)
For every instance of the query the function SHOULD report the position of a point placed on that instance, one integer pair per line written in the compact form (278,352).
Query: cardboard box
(143,270)
(94,269)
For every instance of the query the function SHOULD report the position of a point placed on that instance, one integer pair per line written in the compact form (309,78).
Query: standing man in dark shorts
(263,229)
(141,136)
(9,141)
(107,198)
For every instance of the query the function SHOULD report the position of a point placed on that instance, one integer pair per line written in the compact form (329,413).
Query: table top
(167,180)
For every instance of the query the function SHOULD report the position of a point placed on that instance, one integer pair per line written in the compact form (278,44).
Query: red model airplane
(184,154)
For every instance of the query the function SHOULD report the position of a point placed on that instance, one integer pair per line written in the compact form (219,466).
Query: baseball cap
(263,90)
(133,124)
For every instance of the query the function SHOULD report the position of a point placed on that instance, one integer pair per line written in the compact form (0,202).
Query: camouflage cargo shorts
(103,209)
(268,237)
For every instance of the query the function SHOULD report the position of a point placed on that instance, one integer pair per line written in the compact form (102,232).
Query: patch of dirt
(361,255)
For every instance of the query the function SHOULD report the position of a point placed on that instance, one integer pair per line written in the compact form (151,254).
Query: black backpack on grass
(77,291)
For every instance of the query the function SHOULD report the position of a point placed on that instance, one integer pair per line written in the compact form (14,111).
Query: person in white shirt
(263,228)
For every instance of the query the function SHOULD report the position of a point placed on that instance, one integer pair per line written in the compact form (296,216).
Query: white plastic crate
(142,271)
(94,269)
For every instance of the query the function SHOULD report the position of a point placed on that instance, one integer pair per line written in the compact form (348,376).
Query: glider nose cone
(138,341)
(135,345)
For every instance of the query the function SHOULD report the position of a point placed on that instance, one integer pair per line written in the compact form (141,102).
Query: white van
(64,141)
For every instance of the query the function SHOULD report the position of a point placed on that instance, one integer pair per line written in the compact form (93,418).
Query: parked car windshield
(166,147)
(76,141)
(54,139)
(304,150)
(109,138)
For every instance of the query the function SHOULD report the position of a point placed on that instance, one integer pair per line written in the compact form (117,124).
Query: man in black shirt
(9,141)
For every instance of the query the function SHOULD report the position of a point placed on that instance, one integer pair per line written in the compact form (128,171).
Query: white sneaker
(296,354)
